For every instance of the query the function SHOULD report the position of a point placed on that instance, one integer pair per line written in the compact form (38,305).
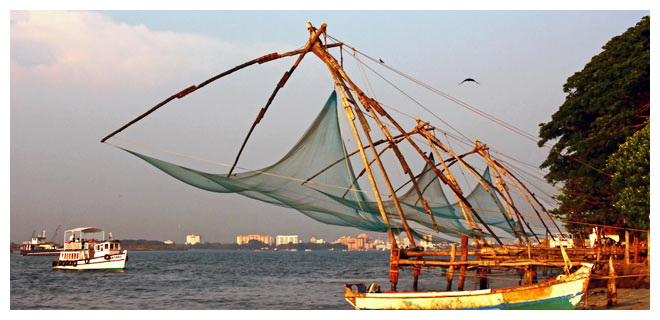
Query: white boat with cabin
(81,253)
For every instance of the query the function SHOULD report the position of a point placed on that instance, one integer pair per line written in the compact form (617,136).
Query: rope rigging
(373,108)
(479,112)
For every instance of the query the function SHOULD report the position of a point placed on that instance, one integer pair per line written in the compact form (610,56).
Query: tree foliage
(606,102)
(631,176)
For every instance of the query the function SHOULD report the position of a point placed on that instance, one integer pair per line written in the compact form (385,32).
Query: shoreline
(627,299)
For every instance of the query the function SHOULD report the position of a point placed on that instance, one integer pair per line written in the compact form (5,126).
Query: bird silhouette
(469,79)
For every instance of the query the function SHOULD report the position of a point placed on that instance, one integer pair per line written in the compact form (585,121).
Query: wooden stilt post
(586,299)
(528,275)
(450,272)
(464,255)
(648,248)
(611,286)
(416,270)
(636,250)
(394,267)
(626,255)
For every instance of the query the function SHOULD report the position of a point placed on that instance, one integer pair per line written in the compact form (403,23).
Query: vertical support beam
(636,250)
(528,275)
(626,254)
(648,248)
(464,256)
(480,280)
(585,304)
(450,272)
(394,267)
(611,286)
(416,270)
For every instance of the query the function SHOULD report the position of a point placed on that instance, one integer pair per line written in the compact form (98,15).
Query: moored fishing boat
(37,246)
(81,253)
(562,292)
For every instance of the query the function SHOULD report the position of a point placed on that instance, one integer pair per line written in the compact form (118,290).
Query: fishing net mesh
(334,196)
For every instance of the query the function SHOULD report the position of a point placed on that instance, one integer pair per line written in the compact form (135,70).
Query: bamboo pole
(314,36)
(365,162)
(464,251)
(451,178)
(381,141)
(363,171)
(366,129)
(434,141)
(494,264)
(393,145)
(184,92)
(504,188)
(535,199)
(399,155)
(449,164)
(332,63)
(339,75)
(450,271)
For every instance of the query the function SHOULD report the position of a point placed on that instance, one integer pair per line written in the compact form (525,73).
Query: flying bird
(469,79)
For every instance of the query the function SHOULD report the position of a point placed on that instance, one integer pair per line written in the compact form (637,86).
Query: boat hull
(564,292)
(114,262)
(45,252)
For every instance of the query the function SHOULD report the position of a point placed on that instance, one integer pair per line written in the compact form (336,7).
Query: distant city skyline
(75,76)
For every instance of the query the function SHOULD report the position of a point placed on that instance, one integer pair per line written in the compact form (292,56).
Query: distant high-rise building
(361,243)
(314,240)
(245,239)
(427,241)
(286,239)
(193,239)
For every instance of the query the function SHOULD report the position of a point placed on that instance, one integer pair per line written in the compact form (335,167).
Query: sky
(76,76)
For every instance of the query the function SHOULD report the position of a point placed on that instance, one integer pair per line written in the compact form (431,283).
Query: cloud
(90,50)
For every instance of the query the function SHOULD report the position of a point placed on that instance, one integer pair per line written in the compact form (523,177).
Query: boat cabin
(78,245)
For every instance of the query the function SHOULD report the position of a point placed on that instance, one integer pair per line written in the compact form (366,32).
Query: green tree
(606,102)
(631,176)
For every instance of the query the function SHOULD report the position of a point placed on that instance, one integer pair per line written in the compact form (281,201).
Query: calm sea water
(289,280)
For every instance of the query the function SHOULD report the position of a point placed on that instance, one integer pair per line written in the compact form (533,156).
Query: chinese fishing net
(334,197)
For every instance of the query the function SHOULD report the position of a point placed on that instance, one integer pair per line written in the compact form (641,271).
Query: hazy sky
(77,76)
